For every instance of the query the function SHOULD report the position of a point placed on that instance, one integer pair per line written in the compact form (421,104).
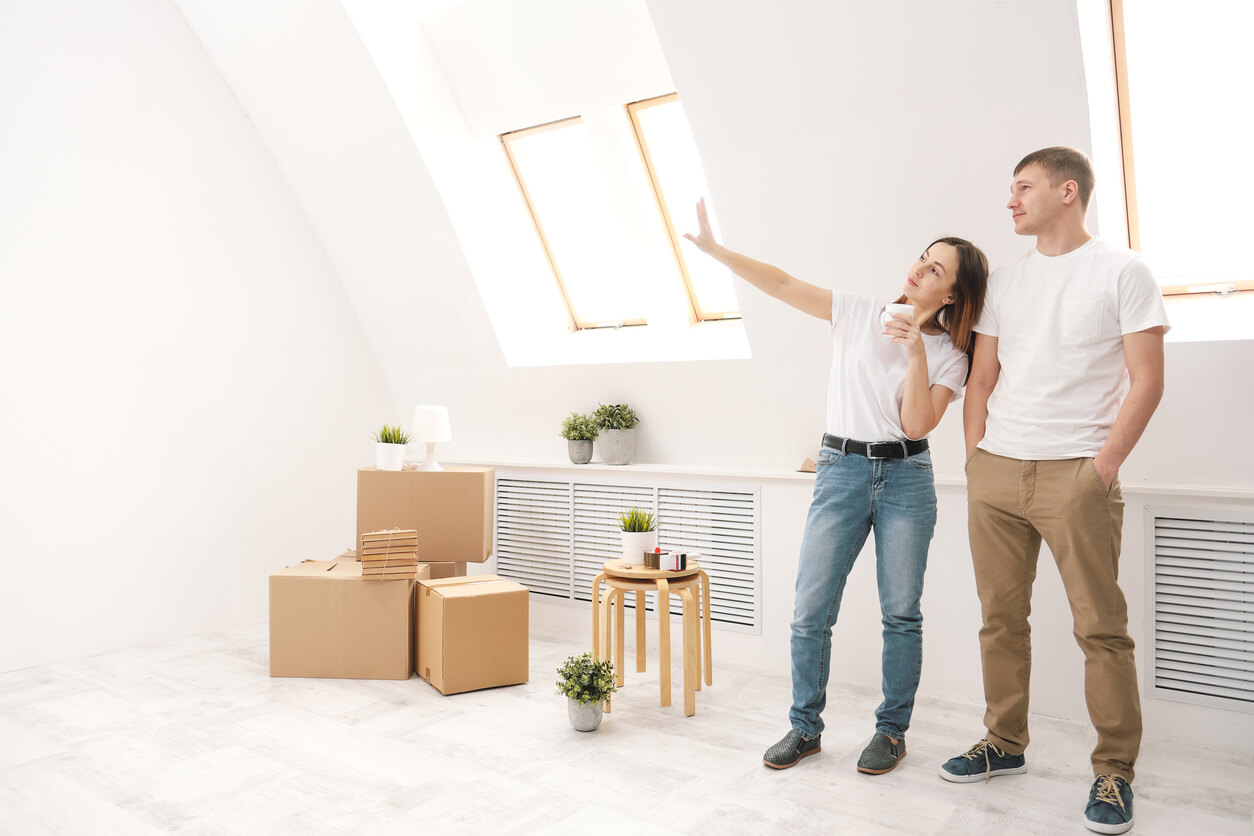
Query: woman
(890,383)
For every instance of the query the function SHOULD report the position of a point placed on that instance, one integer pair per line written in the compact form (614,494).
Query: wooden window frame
(695,312)
(574,323)
(1119,44)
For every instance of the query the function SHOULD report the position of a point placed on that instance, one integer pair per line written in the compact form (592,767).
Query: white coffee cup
(887,316)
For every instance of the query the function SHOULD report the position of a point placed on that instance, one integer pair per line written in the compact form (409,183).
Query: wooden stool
(692,585)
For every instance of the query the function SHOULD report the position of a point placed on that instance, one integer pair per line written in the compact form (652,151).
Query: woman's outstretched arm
(805,297)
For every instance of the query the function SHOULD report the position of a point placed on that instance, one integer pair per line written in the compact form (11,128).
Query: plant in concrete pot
(389,451)
(586,683)
(579,431)
(639,535)
(617,438)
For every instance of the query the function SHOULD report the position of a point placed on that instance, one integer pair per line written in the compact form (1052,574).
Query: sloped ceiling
(301,72)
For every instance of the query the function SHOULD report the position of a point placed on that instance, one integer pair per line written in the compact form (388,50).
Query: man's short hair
(1062,164)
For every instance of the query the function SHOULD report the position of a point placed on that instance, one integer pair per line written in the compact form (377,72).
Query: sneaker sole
(1098,827)
(804,754)
(866,771)
(981,776)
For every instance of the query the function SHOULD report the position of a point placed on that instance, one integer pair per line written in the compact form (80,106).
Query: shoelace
(982,748)
(1108,791)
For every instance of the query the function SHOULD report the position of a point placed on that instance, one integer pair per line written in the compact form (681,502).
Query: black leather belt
(876,449)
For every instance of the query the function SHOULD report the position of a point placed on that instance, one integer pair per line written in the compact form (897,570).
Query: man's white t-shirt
(868,376)
(1059,323)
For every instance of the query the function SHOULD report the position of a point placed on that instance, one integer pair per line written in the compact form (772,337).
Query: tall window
(1183,73)
(604,190)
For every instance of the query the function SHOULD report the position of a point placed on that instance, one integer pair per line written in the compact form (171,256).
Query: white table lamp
(431,427)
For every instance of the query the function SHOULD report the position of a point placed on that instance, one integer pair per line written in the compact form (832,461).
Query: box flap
(479,590)
(464,579)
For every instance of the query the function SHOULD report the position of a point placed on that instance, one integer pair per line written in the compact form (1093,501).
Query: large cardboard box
(471,633)
(325,621)
(451,509)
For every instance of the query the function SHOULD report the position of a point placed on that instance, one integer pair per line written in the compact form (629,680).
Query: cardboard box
(325,621)
(471,633)
(447,570)
(450,509)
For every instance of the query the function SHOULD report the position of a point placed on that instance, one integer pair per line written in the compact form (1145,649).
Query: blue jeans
(853,495)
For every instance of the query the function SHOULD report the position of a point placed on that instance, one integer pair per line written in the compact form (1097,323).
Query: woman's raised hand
(704,239)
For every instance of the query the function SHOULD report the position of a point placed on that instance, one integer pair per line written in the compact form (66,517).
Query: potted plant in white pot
(617,432)
(639,535)
(579,431)
(586,683)
(389,451)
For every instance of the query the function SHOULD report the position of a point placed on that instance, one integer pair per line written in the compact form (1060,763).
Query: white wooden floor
(193,736)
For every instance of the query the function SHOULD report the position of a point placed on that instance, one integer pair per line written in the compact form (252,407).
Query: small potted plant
(639,535)
(587,683)
(389,451)
(579,431)
(617,432)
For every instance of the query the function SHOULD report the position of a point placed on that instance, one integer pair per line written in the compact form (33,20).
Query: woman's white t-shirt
(868,376)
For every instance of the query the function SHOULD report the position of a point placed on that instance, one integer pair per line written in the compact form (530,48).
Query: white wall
(186,391)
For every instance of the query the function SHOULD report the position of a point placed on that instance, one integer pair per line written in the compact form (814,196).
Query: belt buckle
(869,447)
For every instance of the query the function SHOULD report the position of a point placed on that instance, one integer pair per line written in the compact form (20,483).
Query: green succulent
(585,679)
(578,427)
(617,416)
(391,435)
(635,519)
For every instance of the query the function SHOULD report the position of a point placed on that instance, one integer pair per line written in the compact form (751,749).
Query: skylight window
(602,189)
(1180,92)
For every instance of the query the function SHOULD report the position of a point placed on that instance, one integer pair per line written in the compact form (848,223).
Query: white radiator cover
(1201,606)
(552,535)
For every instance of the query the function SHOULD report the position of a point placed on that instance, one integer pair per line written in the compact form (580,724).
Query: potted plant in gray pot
(579,431)
(586,683)
(616,440)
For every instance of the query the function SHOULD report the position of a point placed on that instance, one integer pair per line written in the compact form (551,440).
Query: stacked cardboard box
(463,633)
(389,555)
(452,508)
(471,633)
(324,622)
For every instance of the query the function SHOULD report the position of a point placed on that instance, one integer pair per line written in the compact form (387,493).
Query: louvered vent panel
(533,534)
(1203,607)
(553,537)
(722,526)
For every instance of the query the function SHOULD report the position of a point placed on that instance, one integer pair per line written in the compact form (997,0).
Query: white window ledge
(1209,317)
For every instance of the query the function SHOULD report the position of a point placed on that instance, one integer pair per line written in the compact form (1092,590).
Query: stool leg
(705,620)
(604,613)
(693,602)
(620,612)
(640,631)
(664,638)
(692,653)
(603,651)
(596,615)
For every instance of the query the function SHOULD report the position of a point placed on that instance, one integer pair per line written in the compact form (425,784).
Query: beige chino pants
(1012,505)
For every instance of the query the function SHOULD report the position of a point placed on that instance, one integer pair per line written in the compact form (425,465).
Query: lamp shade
(431,424)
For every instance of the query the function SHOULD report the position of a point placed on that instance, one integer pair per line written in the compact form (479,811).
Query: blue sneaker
(981,762)
(1110,805)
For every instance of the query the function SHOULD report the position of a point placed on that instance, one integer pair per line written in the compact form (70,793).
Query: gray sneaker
(881,754)
(792,748)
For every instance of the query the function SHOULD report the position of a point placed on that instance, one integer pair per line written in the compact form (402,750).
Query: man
(1068,369)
